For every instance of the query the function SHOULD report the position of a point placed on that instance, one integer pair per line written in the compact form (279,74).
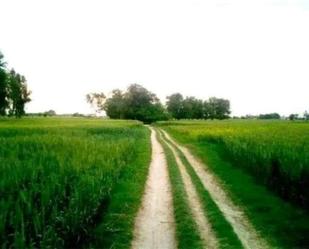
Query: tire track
(154,224)
(205,230)
(246,233)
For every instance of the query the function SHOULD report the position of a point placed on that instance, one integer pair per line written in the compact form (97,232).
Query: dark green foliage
(175,105)
(216,108)
(193,108)
(269,116)
(3,87)
(14,93)
(18,94)
(293,116)
(137,103)
(115,106)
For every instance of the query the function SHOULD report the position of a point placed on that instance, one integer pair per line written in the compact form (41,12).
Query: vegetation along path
(155,225)
(246,233)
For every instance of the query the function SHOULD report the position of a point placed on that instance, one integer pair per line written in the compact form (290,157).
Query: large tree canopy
(135,103)
(14,93)
(3,86)
(193,108)
(140,104)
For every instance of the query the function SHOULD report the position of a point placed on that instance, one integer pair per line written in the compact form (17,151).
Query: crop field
(96,183)
(276,153)
(257,161)
(61,179)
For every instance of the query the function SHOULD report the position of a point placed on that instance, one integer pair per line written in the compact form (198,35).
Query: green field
(79,182)
(275,152)
(258,161)
(62,179)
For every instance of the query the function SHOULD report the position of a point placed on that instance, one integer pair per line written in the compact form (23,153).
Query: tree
(18,93)
(137,100)
(306,115)
(216,108)
(3,86)
(193,108)
(293,116)
(115,106)
(49,113)
(175,105)
(96,100)
(269,116)
(14,93)
(141,104)
(136,103)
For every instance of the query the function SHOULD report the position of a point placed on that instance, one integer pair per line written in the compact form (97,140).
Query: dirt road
(155,225)
(246,233)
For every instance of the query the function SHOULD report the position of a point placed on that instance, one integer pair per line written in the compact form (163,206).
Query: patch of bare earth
(154,224)
(205,230)
(234,214)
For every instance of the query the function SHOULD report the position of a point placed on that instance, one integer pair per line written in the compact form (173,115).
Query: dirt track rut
(155,225)
(246,233)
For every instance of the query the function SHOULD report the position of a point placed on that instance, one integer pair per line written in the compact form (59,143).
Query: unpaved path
(246,233)
(154,224)
(206,233)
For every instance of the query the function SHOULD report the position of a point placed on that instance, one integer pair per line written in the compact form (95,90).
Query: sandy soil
(246,233)
(154,224)
(206,233)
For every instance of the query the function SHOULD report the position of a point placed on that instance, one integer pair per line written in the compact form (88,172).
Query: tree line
(140,104)
(14,93)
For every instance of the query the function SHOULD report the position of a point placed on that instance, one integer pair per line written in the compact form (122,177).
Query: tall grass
(275,152)
(57,174)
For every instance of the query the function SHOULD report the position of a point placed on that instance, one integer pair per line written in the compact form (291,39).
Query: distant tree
(306,115)
(14,93)
(3,86)
(152,113)
(49,113)
(18,93)
(193,108)
(76,114)
(293,116)
(115,106)
(137,100)
(136,103)
(217,108)
(96,100)
(269,116)
(175,106)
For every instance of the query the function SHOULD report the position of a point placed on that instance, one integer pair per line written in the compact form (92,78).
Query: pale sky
(253,52)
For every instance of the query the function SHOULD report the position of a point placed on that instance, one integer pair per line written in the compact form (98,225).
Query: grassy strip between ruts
(117,225)
(283,225)
(223,230)
(186,229)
